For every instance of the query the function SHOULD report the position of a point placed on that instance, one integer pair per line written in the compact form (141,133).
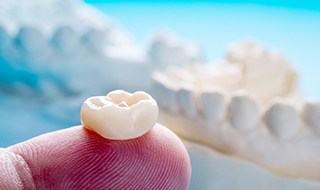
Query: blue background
(306,4)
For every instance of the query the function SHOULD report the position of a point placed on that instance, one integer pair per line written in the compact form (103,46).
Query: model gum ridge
(248,106)
(120,115)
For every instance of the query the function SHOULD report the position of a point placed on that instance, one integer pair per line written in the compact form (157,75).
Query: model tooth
(95,39)
(120,115)
(166,50)
(186,102)
(170,96)
(244,112)
(282,119)
(311,114)
(213,105)
(30,39)
(64,39)
(165,92)
(158,92)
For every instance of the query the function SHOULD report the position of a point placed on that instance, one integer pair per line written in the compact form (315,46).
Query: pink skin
(77,158)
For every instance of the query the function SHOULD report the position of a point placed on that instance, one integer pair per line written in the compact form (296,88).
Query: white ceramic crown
(120,115)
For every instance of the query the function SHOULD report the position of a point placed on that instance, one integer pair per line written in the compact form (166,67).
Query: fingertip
(79,158)
(14,172)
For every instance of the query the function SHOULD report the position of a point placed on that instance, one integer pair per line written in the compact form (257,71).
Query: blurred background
(291,27)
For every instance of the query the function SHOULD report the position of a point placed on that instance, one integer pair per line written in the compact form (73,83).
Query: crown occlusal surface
(120,115)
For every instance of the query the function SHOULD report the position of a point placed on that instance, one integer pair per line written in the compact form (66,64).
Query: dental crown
(247,106)
(120,115)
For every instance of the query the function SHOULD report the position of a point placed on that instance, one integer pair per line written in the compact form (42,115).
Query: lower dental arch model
(220,106)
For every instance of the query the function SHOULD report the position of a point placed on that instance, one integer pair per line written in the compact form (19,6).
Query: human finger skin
(77,158)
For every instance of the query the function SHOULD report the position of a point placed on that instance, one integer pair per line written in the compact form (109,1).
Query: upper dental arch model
(62,47)
(62,51)
(248,107)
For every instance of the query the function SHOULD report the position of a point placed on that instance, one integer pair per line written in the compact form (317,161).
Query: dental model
(249,107)
(60,48)
(120,115)
(62,51)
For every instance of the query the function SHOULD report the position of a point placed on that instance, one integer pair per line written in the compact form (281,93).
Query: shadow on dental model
(78,158)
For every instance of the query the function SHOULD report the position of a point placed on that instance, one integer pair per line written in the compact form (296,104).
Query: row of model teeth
(64,39)
(165,49)
(282,119)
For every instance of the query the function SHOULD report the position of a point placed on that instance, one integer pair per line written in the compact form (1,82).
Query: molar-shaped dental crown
(120,115)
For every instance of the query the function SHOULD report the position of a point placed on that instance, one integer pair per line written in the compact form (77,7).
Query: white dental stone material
(172,104)
(65,39)
(69,45)
(213,105)
(282,119)
(261,124)
(30,39)
(248,75)
(285,152)
(158,89)
(95,40)
(166,50)
(4,39)
(311,114)
(186,103)
(248,52)
(244,112)
(213,170)
(120,115)
(257,65)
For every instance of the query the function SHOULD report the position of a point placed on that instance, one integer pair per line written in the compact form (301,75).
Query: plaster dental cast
(119,146)
(246,112)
